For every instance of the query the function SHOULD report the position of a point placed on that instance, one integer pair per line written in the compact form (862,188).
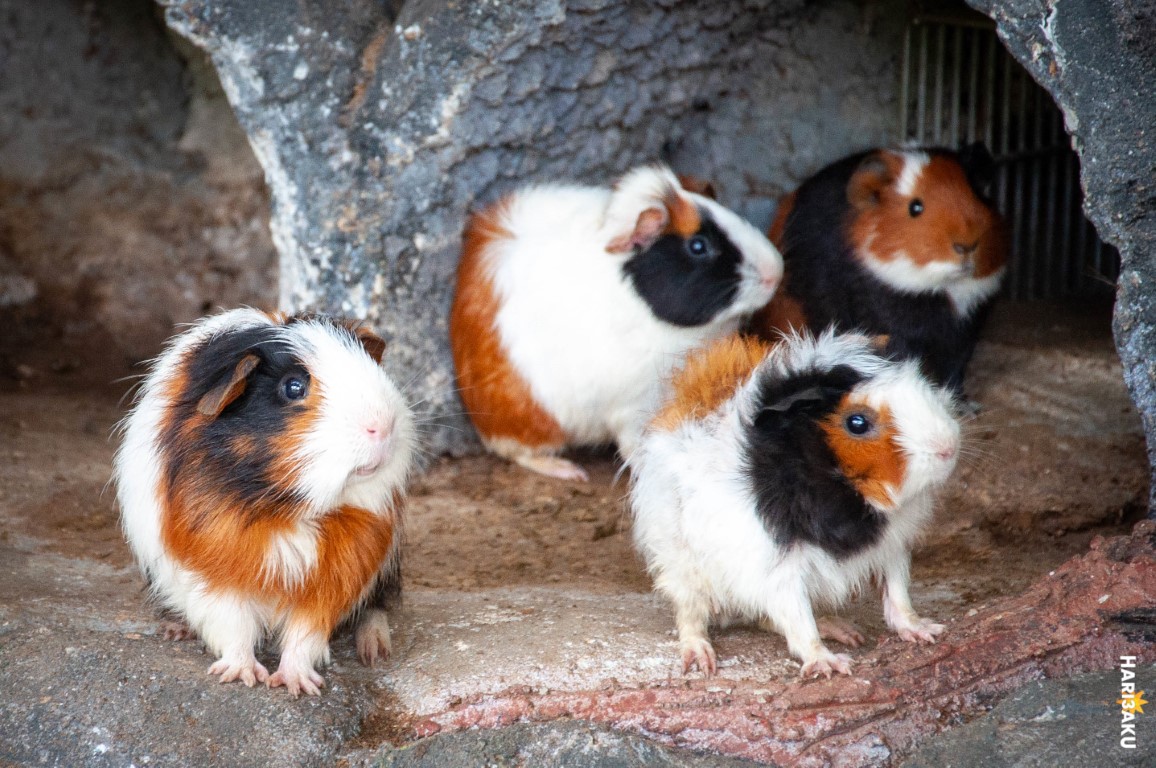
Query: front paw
(697,651)
(826,663)
(296,678)
(246,669)
(919,630)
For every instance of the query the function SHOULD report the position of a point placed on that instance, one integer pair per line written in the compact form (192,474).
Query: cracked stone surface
(377,135)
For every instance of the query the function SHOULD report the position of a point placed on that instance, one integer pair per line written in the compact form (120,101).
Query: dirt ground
(1055,456)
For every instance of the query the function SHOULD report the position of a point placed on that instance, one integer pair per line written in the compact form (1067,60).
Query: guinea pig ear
(373,344)
(798,399)
(218,398)
(697,185)
(647,229)
(868,182)
(979,166)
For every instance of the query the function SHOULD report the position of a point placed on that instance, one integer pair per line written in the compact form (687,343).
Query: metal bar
(905,85)
(921,104)
(940,64)
(1071,275)
(1056,278)
(1039,282)
(973,88)
(989,136)
(956,96)
(1082,245)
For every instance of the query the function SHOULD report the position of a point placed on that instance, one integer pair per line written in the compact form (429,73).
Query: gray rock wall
(129,198)
(377,136)
(1097,58)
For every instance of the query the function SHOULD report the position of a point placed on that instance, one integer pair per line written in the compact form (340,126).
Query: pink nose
(379,430)
(946,451)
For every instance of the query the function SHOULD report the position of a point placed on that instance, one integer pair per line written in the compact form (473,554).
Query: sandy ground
(519,580)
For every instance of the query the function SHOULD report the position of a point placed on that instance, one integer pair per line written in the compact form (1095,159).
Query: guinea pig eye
(916,207)
(858,424)
(698,247)
(294,387)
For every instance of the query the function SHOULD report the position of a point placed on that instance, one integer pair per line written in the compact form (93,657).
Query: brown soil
(1055,456)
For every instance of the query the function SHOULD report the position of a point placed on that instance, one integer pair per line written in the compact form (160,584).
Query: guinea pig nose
(379,430)
(945,450)
(965,249)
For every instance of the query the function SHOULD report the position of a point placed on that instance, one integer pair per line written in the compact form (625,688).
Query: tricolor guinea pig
(899,242)
(573,302)
(260,484)
(775,479)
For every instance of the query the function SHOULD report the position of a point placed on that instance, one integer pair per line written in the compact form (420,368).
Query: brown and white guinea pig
(777,478)
(260,480)
(899,242)
(573,303)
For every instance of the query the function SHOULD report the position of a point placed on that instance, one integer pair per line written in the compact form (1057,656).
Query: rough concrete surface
(528,614)
(377,136)
(1048,724)
(1098,61)
(129,197)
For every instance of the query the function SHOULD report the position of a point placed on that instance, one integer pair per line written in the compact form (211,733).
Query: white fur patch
(591,350)
(291,556)
(966,295)
(913,165)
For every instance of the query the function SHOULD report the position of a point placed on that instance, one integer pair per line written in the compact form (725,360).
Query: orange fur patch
(783,314)
(497,398)
(952,215)
(709,377)
(685,219)
(874,463)
(215,538)
(779,225)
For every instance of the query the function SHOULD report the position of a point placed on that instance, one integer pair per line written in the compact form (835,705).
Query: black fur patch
(800,493)
(682,289)
(209,457)
(837,290)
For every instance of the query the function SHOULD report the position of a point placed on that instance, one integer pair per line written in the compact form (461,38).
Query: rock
(1098,61)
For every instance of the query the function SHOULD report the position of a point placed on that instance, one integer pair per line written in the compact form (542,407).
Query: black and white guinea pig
(260,483)
(776,478)
(573,302)
(899,242)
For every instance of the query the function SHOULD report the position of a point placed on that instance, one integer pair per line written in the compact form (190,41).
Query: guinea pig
(573,302)
(776,478)
(899,242)
(260,481)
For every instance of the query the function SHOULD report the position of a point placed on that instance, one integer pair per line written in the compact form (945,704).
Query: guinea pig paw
(249,671)
(840,630)
(698,652)
(554,466)
(373,638)
(920,630)
(296,679)
(827,664)
(176,630)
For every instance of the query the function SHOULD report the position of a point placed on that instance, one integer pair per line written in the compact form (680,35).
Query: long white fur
(591,350)
(708,552)
(356,393)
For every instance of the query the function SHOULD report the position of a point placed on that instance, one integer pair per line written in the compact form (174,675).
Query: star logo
(1133,702)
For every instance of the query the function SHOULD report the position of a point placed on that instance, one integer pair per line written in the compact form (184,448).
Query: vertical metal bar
(1082,243)
(956,96)
(921,104)
(1069,212)
(973,89)
(1033,167)
(1056,278)
(905,85)
(940,64)
(989,135)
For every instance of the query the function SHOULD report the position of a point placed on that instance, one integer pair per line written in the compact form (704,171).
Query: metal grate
(959,85)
